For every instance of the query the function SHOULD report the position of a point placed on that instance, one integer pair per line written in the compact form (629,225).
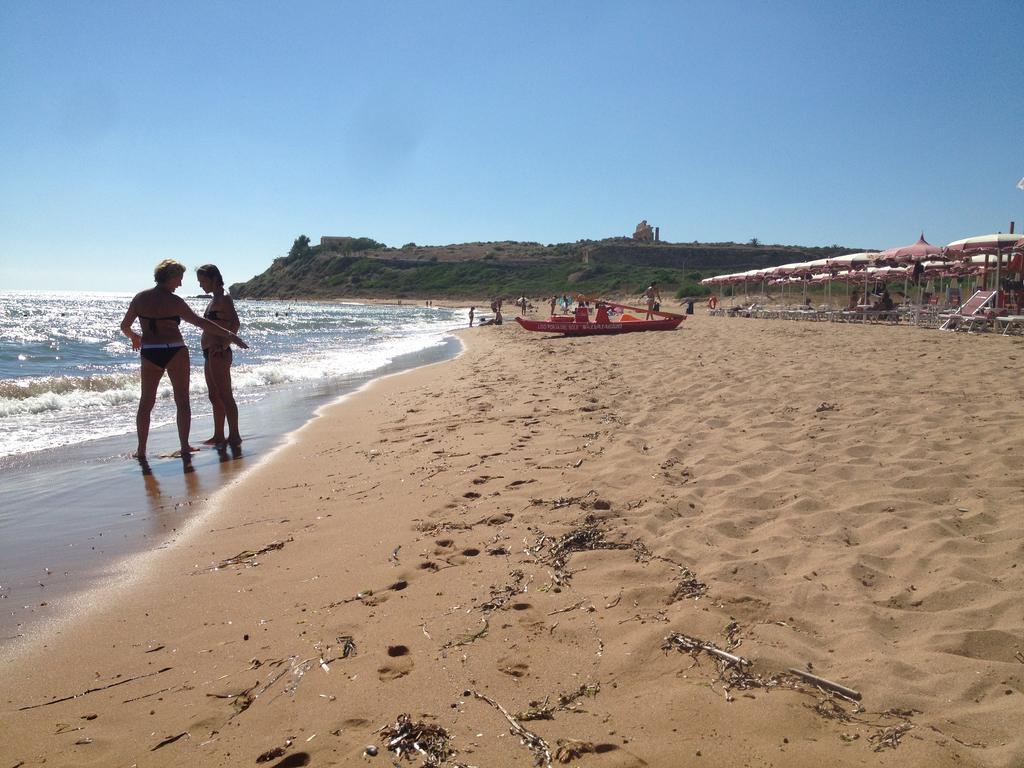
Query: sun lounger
(969,312)
(1011,322)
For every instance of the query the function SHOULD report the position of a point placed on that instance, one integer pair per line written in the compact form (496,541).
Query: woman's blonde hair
(167,269)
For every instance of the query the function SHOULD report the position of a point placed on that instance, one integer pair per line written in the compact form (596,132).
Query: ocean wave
(26,389)
(77,399)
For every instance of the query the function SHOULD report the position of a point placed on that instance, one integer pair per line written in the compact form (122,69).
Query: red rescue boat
(581,324)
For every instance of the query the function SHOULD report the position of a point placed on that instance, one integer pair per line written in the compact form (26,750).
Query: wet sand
(573,532)
(69,516)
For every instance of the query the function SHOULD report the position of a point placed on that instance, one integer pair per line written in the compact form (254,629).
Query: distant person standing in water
(472,311)
(217,357)
(162,349)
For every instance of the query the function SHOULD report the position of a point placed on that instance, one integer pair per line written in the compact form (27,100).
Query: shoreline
(73,515)
(139,566)
(532,520)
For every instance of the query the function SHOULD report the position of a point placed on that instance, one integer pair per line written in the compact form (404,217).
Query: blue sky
(220,131)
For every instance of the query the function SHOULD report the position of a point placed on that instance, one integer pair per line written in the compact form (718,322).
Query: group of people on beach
(163,350)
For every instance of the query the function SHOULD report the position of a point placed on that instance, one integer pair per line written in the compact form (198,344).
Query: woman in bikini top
(217,358)
(162,348)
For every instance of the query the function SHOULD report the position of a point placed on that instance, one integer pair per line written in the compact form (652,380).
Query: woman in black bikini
(217,356)
(162,349)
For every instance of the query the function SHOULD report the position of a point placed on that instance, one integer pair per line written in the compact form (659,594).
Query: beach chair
(968,312)
(1011,322)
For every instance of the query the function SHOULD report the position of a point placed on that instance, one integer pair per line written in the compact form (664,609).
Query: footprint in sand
(442,546)
(512,668)
(500,519)
(399,663)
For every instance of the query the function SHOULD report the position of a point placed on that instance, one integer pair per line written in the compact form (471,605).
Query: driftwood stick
(842,690)
(739,660)
(94,690)
(534,742)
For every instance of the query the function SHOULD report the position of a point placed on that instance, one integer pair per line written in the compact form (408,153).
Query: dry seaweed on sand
(168,740)
(248,556)
(688,586)
(545,710)
(564,501)
(556,552)
(471,638)
(408,739)
(569,749)
(94,690)
(889,738)
(734,672)
(540,748)
(501,595)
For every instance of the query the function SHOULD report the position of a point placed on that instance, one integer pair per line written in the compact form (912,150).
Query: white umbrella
(984,244)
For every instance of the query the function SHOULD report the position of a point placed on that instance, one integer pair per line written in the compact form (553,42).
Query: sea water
(73,502)
(68,374)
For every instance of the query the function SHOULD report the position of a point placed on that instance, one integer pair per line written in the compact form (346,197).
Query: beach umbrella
(852,260)
(919,251)
(984,244)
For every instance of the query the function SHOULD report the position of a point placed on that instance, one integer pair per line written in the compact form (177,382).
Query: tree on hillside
(754,242)
(300,247)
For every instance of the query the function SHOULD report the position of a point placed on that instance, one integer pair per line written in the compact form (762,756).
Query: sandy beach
(596,552)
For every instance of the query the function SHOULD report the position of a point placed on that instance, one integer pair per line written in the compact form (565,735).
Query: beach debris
(370,751)
(587,537)
(734,672)
(407,738)
(466,640)
(831,709)
(94,690)
(501,595)
(240,701)
(889,738)
(842,690)
(348,647)
(275,752)
(823,406)
(248,557)
(688,586)
(693,646)
(569,749)
(566,501)
(732,634)
(540,748)
(568,608)
(145,696)
(394,556)
(171,740)
(545,710)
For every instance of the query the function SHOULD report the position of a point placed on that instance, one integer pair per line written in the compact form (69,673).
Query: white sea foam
(67,375)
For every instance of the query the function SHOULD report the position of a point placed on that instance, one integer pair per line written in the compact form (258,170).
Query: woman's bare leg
(151,373)
(213,390)
(220,379)
(178,372)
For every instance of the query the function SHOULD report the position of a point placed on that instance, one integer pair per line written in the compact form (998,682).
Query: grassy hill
(351,267)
